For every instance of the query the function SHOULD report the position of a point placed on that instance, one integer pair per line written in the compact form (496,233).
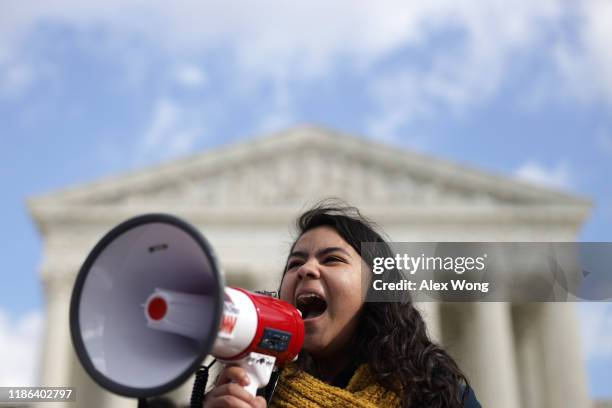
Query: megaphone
(149,304)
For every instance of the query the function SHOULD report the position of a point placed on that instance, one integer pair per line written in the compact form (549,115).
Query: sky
(91,89)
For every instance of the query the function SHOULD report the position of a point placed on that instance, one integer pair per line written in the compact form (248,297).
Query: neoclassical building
(244,197)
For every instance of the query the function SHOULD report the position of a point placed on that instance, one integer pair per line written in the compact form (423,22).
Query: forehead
(322,237)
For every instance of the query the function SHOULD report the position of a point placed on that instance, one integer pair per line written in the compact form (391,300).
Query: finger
(233,390)
(259,402)
(226,401)
(234,373)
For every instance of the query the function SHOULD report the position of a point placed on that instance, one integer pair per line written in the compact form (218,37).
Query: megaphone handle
(258,367)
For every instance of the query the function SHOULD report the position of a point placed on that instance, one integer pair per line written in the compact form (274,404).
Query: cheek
(287,288)
(348,293)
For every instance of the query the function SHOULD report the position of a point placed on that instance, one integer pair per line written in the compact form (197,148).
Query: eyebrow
(322,252)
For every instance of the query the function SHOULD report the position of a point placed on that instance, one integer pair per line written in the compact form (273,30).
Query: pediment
(302,164)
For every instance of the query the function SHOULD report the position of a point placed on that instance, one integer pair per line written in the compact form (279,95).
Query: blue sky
(92,90)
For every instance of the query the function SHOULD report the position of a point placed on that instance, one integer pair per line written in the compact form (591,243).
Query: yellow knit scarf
(297,389)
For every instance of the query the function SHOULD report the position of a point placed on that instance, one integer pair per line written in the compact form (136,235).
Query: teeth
(308,295)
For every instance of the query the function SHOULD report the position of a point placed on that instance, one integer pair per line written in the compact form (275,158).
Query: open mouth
(310,305)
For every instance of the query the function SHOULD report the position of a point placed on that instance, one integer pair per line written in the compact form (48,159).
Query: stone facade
(244,197)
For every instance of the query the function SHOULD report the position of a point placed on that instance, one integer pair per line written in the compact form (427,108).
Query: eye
(293,264)
(334,259)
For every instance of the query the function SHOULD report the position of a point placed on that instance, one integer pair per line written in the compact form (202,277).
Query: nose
(309,270)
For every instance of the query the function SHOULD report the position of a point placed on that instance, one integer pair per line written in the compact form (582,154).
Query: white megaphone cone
(149,304)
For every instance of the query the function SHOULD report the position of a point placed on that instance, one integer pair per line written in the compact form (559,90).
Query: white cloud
(279,110)
(274,37)
(278,41)
(15,79)
(189,76)
(488,38)
(586,63)
(170,133)
(166,116)
(557,177)
(596,325)
(19,349)
(269,38)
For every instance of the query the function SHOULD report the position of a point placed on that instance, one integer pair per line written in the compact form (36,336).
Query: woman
(355,353)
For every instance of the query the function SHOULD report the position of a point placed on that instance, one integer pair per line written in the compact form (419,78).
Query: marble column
(563,364)
(526,319)
(55,368)
(491,356)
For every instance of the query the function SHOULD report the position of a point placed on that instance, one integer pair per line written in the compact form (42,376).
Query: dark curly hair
(392,337)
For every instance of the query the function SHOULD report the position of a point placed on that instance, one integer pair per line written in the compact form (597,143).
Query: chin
(314,345)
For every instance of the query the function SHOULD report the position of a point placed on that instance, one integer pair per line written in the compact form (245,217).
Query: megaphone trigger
(258,368)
